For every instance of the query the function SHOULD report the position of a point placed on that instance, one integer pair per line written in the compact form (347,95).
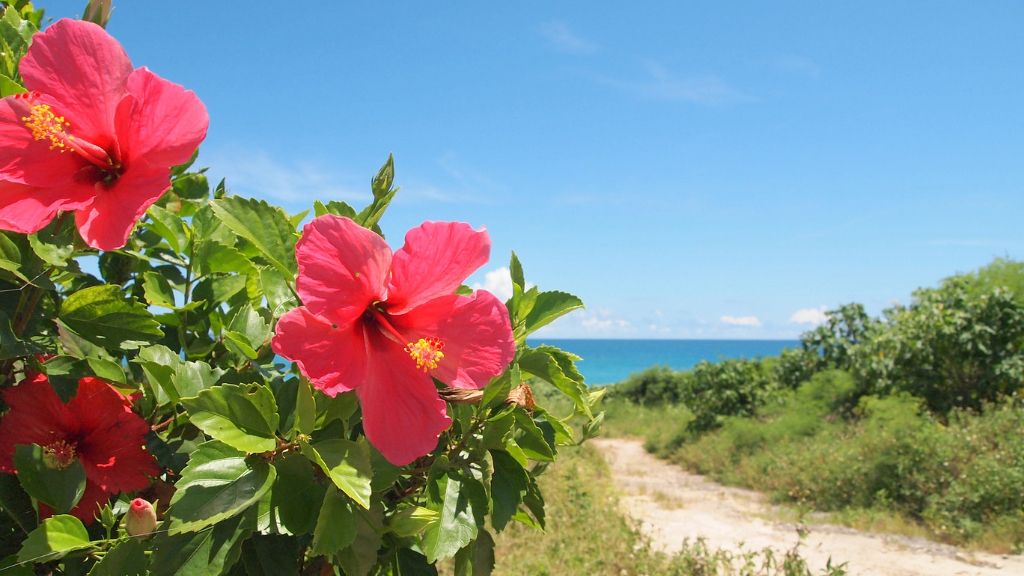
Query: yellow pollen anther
(58,455)
(427,352)
(45,125)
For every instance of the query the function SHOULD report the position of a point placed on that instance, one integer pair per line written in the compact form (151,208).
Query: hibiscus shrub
(151,419)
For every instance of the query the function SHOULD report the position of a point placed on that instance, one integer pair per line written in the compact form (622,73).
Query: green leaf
(54,538)
(549,307)
(248,330)
(476,559)
(101,315)
(213,257)
(277,290)
(192,186)
(171,377)
(55,243)
(509,482)
(265,226)
(243,417)
(305,408)
(334,207)
(218,483)
(170,227)
(532,440)
(10,258)
(9,87)
(271,555)
(10,345)
(458,499)
(383,193)
(361,557)
(347,463)
(107,369)
(557,367)
(16,503)
(336,524)
(411,563)
(157,289)
(516,271)
(127,558)
(296,496)
(58,488)
(210,551)
(412,521)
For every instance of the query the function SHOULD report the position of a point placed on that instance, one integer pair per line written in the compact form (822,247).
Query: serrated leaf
(361,557)
(265,226)
(9,87)
(334,207)
(107,369)
(58,488)
(335,526)
(271,555)
(531,439)
(54,538)
(412,521)
(297,495)
(213,257)
(10,258)
(127,558)
(458,507)
(10,345)
(103,316)
(347,463)
(157,289)
(219,482)
(549,307)
(509,482)
(556,366)
(305,408)
(515,269)
(210,551)
(476,559)
(243,417)
(55,243)
(169,226)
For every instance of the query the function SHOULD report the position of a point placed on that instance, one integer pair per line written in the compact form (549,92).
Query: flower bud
(141,518)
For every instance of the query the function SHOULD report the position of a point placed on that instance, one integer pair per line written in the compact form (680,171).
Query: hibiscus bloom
(384,324)
(97,427)
(93,135)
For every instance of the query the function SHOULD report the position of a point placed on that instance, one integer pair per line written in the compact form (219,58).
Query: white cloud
(747,321)
(257,173)
(559,35)
(811,316)
(499,283)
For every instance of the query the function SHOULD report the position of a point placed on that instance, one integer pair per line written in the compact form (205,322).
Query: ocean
(610,361)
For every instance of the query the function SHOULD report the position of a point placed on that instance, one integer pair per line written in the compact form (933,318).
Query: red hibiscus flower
(97,427)
(92,135)
(383,324)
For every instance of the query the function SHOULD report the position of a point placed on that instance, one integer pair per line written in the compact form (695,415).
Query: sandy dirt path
(672,504)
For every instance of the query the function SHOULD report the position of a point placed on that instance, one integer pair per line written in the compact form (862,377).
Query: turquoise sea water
(610,361)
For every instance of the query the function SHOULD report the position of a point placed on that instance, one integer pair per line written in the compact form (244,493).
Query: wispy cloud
(809,316)
(658,82)
(745,321)
(564,39)
(257,173)
(601,322)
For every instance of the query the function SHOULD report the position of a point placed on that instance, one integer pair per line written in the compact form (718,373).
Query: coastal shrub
(714,391)
(655,385)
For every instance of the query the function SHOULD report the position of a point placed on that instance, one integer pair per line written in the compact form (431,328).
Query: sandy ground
(672,504)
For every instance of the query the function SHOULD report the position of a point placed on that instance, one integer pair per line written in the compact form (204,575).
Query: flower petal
(403,416)
(342,268)
(84,69)
(475,330)
(35,416)
(332,357)
(159,123)
(108,221)
(111,438)
(26,160)
(26,209)
(436,258)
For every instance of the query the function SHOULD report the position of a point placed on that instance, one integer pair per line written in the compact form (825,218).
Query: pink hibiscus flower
(92,135)
(384,324)
(97,427)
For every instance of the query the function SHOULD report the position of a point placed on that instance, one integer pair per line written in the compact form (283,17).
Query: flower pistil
(427,352)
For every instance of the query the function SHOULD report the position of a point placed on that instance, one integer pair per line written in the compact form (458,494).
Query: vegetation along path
(672,504)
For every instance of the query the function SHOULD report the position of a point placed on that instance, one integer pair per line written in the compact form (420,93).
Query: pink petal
(342,268)
(332,357)
(436,258)
(28,161)
(159,123)
(475,330)
(35,416)
(403,416)
(108,221)
(26,209)
(84,69)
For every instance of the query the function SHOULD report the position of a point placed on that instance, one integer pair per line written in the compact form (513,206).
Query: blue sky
(691,170)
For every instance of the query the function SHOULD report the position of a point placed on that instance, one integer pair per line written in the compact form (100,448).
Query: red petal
(342,268)
(110,438)
(159,124)
(402,413)
(35,416)
(436,258)
(475,330)
(333,358)
(108,221)
(84,69)
(26,209)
